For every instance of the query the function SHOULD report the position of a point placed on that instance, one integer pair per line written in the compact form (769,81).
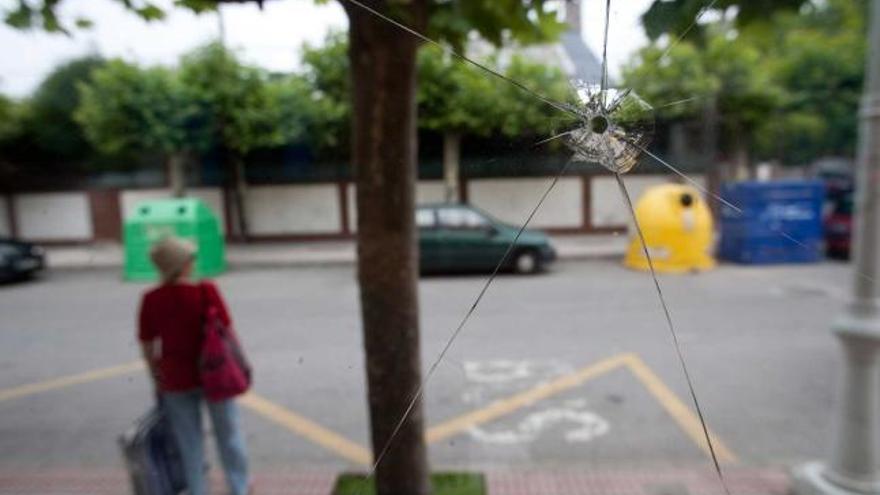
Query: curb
(239,264)
(256,256)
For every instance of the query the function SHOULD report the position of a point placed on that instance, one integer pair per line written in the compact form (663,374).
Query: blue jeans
(185,415)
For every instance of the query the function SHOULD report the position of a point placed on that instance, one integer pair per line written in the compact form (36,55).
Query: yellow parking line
(351,451)
(682,414)
(524,399)
(307,428)
(70,380)
(286,418)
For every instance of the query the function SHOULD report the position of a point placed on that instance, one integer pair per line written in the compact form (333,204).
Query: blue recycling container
(780,222)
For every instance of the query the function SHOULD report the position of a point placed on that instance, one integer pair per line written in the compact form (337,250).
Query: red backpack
(223,369)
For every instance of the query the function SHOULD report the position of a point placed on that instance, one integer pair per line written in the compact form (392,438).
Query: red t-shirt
(173,314)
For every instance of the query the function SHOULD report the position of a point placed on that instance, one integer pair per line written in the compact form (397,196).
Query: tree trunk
(384,156)
(239,189)
(451,166)
(709,149)
(741,158)
(678,143)
(177,174)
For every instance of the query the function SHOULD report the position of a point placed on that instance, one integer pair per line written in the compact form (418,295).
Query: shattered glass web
(627,128)
(627,124)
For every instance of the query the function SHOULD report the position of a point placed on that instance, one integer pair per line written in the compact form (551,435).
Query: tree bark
(451,166)
(239,190)
(678,143)
(177,174)
(710,131)
(384,156)
(741,158)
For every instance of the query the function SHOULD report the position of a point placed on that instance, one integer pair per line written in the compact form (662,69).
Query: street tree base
(813,478)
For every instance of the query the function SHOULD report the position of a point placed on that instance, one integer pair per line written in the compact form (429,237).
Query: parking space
(553,419)
(568,368)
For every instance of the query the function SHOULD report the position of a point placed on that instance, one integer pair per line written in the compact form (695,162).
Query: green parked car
(459,238)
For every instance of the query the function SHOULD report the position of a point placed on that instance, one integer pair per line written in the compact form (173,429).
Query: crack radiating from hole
(684,33)
(684,176)
(611,130)
(603,130)
(671,326)
(420,391)
(604,81)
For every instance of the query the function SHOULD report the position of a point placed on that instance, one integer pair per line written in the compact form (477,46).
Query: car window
(460,218)
(425,219)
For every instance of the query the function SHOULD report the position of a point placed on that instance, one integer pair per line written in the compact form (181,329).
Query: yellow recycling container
(677,226)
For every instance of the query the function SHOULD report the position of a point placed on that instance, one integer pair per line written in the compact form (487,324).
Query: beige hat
(171,255)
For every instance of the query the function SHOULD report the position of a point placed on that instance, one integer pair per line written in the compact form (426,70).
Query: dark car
(839,226)
(462,238)
(19,260)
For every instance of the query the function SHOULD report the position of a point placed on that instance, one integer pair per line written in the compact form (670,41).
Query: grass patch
(442,484)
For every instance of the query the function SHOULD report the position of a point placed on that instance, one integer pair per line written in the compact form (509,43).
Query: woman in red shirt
(170,332)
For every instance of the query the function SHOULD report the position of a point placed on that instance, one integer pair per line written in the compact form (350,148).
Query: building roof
(584,65)
(570,53)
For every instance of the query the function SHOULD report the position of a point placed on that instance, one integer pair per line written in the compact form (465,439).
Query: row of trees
(94,109)
(781,87)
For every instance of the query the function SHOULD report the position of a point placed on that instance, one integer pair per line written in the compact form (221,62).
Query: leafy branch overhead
(497,21)
(682,17)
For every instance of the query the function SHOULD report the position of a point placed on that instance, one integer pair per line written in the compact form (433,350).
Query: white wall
(5,228)
(53,216)
(427,191)
(511,200)
(212,196)
(293,209)
(607,207)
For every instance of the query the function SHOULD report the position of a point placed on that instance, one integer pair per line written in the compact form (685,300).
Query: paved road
(586,343)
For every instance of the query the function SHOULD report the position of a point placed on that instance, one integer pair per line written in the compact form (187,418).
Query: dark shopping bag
(152,456)
(224,370)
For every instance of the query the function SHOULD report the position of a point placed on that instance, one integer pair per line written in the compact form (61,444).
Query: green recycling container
(187,218)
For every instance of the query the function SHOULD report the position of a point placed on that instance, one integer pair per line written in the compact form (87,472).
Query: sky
(270,38)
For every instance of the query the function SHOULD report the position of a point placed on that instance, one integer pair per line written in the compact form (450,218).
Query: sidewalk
(311,253)
(568,481)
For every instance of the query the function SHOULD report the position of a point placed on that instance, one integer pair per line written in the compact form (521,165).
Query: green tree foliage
(125,108)
(11,114)
(51,130)
(43,14)
(497,21)
(241,107)
(524,116)
(128,110)
(818,58)
(326,70)
(680,17)
(213,100)
(787,87)
(455,97)
(12,118)
(724,73)
(676,84)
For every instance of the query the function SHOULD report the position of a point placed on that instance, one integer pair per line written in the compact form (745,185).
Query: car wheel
(526,262)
